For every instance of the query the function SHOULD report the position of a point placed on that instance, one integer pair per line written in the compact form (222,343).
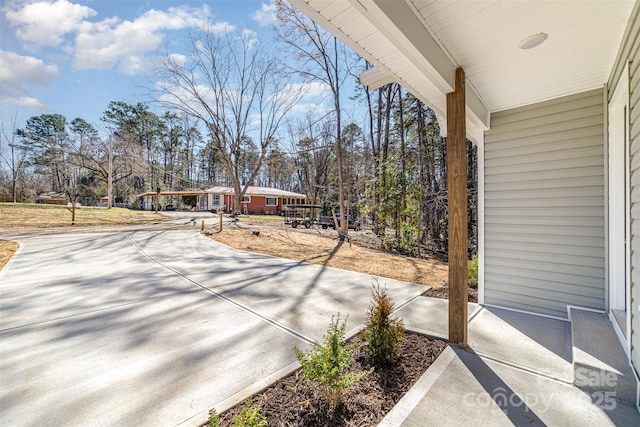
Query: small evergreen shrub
(249,416)
(383,333)
(472,272)
(327,365)
(214,419)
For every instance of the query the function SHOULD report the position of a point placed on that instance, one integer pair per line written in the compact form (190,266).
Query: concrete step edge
(600,363)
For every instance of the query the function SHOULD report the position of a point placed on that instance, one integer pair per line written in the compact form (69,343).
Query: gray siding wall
(634,147)
(544,206)
(629,54)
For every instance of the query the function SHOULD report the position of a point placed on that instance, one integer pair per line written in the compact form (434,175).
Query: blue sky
(72,57)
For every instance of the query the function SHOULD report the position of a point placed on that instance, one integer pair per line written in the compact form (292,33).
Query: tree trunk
(110,176)
(343,224)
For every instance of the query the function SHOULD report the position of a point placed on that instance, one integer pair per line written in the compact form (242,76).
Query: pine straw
(291,402)
(7,249)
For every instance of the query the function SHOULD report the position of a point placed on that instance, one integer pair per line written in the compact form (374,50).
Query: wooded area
(388,167)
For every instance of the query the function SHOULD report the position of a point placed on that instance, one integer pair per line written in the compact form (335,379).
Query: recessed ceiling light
(532,41)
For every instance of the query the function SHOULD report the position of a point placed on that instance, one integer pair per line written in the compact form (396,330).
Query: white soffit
(421,42)
(483,36)
(369,32)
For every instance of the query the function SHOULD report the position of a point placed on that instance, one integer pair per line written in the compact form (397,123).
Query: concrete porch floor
(517,371)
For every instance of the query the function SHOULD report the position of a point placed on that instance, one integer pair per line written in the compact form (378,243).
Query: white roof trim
(375,78)
(257,191)
(397,21)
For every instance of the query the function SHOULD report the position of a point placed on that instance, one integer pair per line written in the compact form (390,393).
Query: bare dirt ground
(318,246)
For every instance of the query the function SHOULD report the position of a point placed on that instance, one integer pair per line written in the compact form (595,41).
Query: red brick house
(256,200)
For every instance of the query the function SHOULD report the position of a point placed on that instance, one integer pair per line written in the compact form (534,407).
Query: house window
(216,200)
(246,199)
(272,201)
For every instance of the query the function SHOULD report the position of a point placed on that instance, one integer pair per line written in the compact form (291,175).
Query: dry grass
(314,245)
(21,215)
(7,249)
(322,247)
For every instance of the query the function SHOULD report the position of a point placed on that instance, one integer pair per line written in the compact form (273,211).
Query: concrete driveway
(156,327)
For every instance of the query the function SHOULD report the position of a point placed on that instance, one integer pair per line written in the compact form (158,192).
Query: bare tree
(311,143)
(238,89)
(321,58)
(110,160)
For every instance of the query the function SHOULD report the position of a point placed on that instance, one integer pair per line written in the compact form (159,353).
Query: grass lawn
(21,215)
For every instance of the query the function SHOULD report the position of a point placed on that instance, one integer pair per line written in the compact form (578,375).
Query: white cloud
(249,37)
(248,34)
(19,71)
(178,59)
(175,18)
(266,15)
(44,23)
(28,102)
(176,95)
(220,28)
(112,42)
(311,95)
(315,109)
(312,89)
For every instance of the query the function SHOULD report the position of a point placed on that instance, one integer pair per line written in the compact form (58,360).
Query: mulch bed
(443,292)
(290,402)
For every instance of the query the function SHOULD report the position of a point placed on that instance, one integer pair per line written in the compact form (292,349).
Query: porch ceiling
(419,43)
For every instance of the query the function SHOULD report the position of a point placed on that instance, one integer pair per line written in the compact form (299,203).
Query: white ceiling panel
(481,36)
(330,9)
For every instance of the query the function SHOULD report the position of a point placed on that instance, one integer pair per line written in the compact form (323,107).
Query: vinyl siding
(634,148)
(630,54)
(544,206)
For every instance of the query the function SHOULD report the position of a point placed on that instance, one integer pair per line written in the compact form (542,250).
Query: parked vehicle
(327,221)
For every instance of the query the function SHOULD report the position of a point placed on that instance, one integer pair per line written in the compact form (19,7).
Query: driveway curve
(156,327)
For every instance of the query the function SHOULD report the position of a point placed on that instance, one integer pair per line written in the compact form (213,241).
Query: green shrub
(472,272)
(383,333)
(214,419)
(249,416)
(327,365)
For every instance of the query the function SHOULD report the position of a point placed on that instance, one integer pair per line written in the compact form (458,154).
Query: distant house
(52,198)
(256,200)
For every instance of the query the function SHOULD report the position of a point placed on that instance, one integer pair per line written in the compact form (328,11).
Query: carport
(148,201)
